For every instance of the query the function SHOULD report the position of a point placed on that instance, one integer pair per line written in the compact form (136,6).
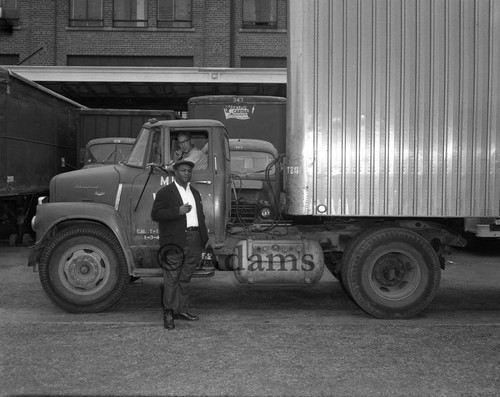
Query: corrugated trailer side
(37,141)
(394,108)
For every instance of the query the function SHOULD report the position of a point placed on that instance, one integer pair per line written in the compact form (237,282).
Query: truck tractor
(96,232)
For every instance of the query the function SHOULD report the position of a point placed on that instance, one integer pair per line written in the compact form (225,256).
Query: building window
(9,15)
(86,13)
(263,62)
(260,14)
(174,13)
(9,59)
(130,13)
(142,61)
(8,4)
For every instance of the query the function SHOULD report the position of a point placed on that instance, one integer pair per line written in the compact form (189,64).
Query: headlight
(265,212)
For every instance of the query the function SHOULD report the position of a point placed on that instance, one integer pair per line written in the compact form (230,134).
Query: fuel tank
(278,261)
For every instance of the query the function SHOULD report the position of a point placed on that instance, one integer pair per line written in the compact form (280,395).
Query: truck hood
(97,185)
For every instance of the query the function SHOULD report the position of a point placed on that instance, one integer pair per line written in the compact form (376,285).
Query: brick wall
(216,38)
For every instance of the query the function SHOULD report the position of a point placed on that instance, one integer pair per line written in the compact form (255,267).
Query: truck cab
(104,151)
(256,180)
(96,231)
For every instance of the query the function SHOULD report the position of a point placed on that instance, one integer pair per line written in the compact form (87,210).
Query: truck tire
(27,240)
(391,273)
(83,269)
(13,240)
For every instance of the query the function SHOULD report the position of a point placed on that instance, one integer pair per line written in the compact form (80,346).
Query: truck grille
(246,212)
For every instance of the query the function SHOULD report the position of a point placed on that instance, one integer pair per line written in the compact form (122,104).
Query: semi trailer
(37,141)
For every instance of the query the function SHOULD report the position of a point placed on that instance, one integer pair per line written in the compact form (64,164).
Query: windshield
(247,162)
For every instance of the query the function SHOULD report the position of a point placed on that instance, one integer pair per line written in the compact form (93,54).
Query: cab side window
(192,146)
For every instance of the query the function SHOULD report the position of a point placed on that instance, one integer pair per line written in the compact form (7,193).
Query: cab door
(141,192)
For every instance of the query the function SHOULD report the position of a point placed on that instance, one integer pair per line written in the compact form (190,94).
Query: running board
(156,272)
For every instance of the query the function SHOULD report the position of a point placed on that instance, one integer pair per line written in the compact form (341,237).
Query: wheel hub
(84,270)
(389,271)
(394,276)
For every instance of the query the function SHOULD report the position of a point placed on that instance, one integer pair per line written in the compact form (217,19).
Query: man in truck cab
(188,151)
(183,235)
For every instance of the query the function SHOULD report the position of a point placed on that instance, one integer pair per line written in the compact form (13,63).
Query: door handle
(204,182)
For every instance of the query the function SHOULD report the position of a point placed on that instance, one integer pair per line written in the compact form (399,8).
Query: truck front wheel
(83,269)
(391,272)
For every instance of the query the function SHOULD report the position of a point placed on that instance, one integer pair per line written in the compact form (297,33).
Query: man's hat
(177,164)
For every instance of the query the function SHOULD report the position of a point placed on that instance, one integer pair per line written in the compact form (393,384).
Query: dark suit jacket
(172,226)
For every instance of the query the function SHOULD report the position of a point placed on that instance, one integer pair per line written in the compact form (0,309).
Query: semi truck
(257,131)
(391,148)
(37,141)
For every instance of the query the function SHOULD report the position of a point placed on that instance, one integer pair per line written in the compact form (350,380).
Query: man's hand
(184,209)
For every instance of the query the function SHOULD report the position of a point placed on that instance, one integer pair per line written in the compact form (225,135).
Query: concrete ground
(253,340)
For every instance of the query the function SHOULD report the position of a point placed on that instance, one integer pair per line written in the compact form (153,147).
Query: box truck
(257,131)
(245,116)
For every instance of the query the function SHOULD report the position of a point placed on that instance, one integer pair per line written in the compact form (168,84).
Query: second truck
(257,130)
(392,147)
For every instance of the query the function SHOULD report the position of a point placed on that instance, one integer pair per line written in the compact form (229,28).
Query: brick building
(143,33)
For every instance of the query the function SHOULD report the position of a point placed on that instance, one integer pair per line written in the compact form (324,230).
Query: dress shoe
(185,316)
(204,268)
(168,319)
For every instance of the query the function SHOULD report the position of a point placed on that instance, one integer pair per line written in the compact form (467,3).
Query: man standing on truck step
(183,235)
(188,151)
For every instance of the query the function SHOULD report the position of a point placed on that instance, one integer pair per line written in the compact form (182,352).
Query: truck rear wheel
(83,269)
(391,272)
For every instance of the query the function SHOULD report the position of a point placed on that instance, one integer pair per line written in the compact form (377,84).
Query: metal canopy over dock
(152,87)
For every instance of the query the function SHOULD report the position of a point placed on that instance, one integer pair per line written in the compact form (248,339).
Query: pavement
(253,340)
